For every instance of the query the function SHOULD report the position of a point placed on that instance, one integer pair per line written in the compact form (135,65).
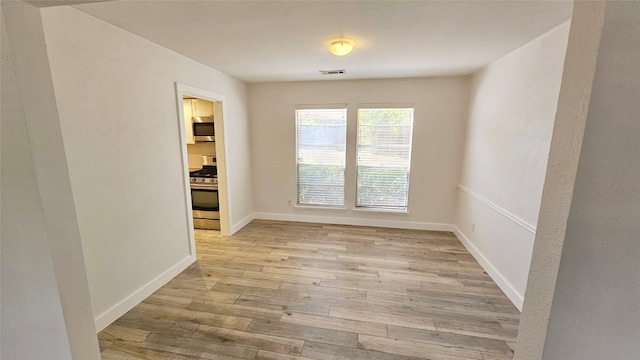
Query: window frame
(337,106)
(383,208)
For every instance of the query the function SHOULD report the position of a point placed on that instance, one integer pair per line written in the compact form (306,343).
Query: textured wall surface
(439,118)
(511,113)
(595,312)
(46,309)
(573,103)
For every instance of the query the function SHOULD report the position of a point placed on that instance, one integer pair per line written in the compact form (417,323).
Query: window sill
(319,207)
(381,210)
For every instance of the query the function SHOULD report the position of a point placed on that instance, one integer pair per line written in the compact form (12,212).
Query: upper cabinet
(188,122)
(202,107)
(194,107)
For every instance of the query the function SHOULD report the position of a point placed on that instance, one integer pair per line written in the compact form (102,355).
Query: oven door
(205,206)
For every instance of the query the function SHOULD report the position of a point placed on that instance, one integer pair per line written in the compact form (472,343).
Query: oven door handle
(204,187)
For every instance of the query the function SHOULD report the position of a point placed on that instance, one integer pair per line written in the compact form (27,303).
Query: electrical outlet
(473,227)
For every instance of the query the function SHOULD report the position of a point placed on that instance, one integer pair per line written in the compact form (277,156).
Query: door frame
(221,156)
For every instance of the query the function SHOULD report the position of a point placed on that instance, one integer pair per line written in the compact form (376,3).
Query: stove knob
(192,180)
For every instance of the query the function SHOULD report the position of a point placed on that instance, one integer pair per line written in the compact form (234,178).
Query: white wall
(29,288)
(46,309)
(598,284)
(197,150)
(440,115)
(117,102)
(511,114)
(562,165)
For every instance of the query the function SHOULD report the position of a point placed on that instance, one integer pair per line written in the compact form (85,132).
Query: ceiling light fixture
(341,47)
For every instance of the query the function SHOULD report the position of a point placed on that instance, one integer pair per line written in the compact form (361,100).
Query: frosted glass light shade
(341,47)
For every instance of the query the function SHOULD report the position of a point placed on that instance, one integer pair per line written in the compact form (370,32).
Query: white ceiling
(259,41)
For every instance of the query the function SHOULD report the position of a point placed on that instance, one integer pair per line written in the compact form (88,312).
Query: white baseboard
(414,225)
(516,297)
(112,314)
(242,223)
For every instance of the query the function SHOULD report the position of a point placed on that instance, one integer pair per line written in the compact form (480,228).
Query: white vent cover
(332,72)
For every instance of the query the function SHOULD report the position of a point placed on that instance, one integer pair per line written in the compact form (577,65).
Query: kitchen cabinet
(188,123)
(202,107)
(194,107)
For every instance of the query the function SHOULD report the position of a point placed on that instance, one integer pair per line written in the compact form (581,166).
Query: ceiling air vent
(332,72)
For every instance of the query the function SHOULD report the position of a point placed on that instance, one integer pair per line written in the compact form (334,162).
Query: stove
(204,198)
(207,176)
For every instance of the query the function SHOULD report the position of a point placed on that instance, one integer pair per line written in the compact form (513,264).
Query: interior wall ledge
(504,212)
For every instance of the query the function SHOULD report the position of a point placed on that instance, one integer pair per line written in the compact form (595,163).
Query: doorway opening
(201,128)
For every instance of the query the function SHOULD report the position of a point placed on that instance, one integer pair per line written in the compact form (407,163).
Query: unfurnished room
(293,180)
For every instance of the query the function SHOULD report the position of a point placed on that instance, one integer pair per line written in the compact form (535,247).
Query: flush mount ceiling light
(341,47)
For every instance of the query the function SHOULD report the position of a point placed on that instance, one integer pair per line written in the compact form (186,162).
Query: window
(321,141)
(383,157)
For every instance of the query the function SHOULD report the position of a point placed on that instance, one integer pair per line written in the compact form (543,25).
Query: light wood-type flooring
(284,290)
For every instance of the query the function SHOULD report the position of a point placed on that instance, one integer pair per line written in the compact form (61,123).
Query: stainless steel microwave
(203,128)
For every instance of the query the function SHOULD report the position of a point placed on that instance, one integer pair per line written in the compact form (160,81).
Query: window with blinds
(321,141)
(383,157)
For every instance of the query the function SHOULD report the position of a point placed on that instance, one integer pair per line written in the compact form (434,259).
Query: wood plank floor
(282,290)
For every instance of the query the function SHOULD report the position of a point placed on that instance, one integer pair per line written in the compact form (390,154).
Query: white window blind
(321,140)
(383,157)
